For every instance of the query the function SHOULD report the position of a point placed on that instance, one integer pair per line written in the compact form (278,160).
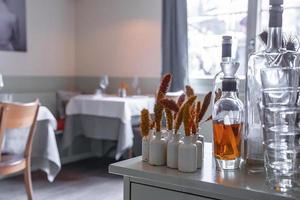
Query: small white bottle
(158,150)
(167,134)
(199,145)
(187,155)
(145,148)
(172,150)
(151,135)
(201,138)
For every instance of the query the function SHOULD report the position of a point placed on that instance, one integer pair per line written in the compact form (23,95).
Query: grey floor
(84,180)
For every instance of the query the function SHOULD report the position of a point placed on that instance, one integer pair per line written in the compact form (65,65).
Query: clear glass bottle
(228,118)
(272,107)
(228,112)
(273,56)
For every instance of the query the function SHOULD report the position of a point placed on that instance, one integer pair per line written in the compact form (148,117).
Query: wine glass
(135,85)
(103,83)
(1,82)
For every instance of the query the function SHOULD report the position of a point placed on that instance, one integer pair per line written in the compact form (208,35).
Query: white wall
(50,41)
(89,37)
(118,37)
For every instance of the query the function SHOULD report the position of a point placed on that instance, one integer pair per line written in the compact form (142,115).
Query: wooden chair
(18,116)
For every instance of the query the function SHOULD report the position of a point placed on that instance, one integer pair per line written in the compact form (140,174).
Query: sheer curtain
(175,42)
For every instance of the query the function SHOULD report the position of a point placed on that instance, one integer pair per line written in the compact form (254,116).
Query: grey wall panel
(89,84)
(35,84)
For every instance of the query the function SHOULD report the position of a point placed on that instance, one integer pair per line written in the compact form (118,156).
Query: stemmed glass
(103,83)
(135,85)
(1,82)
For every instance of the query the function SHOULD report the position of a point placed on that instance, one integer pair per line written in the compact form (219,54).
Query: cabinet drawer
(145,192)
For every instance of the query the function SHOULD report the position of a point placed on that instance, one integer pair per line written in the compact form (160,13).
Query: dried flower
(178,120)
(205,105)
(186,120)
(159,96)
(158,112)
(165,83)
(170,104)
(179,116)
(180,100)
(158,108)
(198,110)
(218,95)
(152,124)
(189,91)
(145,122)
(193,126)
(292,43)
(169,117)
(123,85)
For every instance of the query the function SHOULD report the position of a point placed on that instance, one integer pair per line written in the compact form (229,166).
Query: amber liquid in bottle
(227,140)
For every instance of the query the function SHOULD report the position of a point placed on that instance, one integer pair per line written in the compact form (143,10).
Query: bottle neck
(231,94)
(226,59)
(274,43)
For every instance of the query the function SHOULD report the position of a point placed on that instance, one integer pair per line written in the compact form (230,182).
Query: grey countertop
(240,184)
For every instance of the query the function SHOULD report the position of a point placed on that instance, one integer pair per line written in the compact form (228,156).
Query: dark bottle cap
(226,46)
(229,85)
(276,10)
(276,2)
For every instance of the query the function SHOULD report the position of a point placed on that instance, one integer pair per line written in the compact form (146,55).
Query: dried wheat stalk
(158,107)
(218,95)
(179,116)
(180,100)
(205,105)
(145,122)
(158,112)
(189,91)
(169,117)
(165,83)
(186,120)
(170,104)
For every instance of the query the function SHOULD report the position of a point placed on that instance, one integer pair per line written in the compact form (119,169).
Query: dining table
(45,154)
(105,117)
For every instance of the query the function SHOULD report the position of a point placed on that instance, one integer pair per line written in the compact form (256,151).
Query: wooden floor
(84,180)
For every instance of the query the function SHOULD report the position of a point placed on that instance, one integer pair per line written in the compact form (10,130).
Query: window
(208,20)
(291,17)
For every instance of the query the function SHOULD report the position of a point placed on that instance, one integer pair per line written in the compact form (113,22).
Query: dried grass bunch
(161,93)
(187,110)
(145,123)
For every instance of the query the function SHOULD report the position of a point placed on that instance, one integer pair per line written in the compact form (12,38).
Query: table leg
(130,153)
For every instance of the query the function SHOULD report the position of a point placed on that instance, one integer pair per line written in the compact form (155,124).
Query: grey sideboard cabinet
(145,182)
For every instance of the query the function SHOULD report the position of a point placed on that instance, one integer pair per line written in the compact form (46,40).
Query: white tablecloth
(45,155)
(112,107)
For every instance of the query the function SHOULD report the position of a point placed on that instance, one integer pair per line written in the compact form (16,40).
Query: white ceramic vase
(201,138)
(172,151)
(167,134)
(151,135)
(158,150)
(145,148)
(187,155)
(199,145)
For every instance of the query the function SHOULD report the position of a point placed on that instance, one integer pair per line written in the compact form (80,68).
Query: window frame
(254,7)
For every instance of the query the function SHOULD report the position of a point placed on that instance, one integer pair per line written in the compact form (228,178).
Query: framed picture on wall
(13,25)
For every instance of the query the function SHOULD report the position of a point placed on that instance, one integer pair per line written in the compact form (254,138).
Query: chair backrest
(19,116)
